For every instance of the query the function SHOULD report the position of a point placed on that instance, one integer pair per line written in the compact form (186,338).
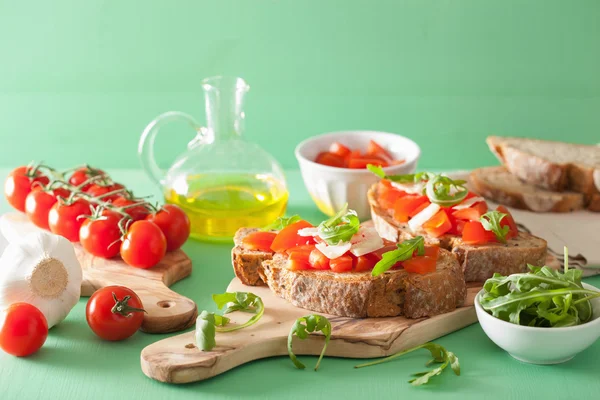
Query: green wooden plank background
(79,80)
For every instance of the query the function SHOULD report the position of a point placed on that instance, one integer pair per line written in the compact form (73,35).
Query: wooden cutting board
(178,360)
(167,311)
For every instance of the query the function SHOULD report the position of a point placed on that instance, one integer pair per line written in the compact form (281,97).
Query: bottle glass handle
(146,145)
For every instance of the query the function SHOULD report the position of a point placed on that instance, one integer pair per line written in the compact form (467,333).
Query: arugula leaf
(440,356)
(339,228)
(404,251)
(491,222)
(440,189)
(205,331)
(240,301)
(407,178)
(302,328)
(281,223)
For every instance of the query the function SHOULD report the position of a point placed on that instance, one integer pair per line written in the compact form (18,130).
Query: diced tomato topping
(339,149)
(474,233)
(330,159)
(387,194)
(420,265)
(419,209)
(508,221)
(432,251)
(259,240)
(341,264)
(472,213)
(407,204)
(375,149)
(288,237)
(366,262)
(318,260)
(298,260)
(437,225)
(359,163)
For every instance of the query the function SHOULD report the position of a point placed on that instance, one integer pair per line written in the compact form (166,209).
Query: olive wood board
(166,310)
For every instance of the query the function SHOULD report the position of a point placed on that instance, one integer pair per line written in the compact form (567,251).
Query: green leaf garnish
(302,328)
(491,222)
(205,331)
(542,297)
(440,356)
(339,228)
(240,301)
(281,223)
(439,190)
(407,178)
(404,251)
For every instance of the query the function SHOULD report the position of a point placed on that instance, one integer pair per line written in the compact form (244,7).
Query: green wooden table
(75,364)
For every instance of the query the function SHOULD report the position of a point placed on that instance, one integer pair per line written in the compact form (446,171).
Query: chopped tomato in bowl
(340,156)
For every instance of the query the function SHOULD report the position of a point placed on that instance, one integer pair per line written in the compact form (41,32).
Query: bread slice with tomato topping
(477,250)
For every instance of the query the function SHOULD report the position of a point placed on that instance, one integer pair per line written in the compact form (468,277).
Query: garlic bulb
(41,269)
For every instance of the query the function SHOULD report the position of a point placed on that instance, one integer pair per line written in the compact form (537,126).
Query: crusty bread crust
(247,263)
(478,262)
(359,295)
(538,201)
(543,172)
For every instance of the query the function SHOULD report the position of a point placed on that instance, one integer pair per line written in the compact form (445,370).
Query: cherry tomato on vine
(174,223)
(19,184)
(144,245)
(37,206)
(114,312)
(97,190)
(65,219)
(136,213)
(84,174)
(23,329)
(101,237)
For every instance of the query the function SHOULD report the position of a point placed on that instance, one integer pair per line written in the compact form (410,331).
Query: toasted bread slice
(478,262)
(355,294)
(552,165)
(500,186)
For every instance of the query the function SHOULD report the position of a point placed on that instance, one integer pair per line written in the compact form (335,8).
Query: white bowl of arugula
(542,316)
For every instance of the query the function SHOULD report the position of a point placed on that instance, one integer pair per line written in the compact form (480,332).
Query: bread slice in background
(499,185)
(552,165)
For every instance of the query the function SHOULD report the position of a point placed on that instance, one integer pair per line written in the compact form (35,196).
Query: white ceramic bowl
(541,345)
(331,187)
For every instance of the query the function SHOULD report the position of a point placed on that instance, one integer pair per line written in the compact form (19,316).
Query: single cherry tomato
(341,264)
(508,221)
(144,245)
(83,175)
(259,240)
(136,213)
(174,223)
(37,206)
(65,218)
(114,312)
(19,184)
(330,159)
(318,260)
(101,237)
(288,237)
(23,329)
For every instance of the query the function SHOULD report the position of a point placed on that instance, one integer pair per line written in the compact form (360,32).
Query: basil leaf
(491,222)
(407,178)
(404,252)
(240,301)
(440,355)
(339,228)
(302,328)
(281,223)
(205,331)
(439,190)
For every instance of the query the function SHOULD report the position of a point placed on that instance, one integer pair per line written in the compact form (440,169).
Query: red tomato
(437,225)
(318,260)
(114,312)
(341,264)
(472,213)
(84,174)
(259,240)
(66,219)
(101,237)
(136,213)
(420,265)
(375,149)
(432,251)
(37,206)
(23,329)
(174,223)
(474,233)
(359,163)
(99,190)
(387,194)
(288,237)
(366,262)
(419,209)
(330,159)
(18,185)
(339,149)
(508,221)
(144,245)
(407,204)
(298,260)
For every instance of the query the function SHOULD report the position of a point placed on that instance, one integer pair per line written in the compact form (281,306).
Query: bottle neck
(224,99)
